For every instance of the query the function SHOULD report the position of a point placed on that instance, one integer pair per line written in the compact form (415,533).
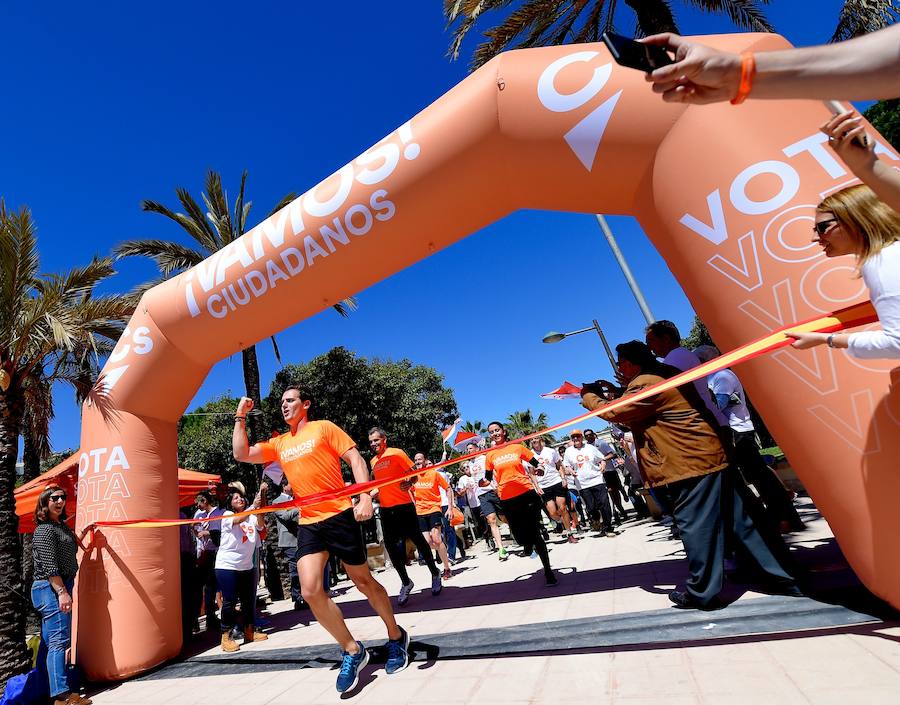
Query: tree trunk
(251,384)
(32,462)
(14,658)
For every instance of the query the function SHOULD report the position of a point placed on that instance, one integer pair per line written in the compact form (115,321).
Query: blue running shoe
(398,653)
(405,590)
(351,665)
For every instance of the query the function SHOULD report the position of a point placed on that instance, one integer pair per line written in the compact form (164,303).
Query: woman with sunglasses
(853,221)
(55,554)
(235,567)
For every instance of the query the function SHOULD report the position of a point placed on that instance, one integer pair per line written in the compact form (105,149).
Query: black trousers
(237,586)
(398,524)
(774,496)
(596,500)
(523,514)
(707,509)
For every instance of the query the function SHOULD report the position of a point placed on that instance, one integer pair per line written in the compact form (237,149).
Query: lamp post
(626,270)
(554,337)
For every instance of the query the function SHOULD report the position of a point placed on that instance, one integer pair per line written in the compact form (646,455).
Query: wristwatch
(830,340)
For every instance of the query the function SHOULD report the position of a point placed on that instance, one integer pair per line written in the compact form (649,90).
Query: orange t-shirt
(392,463)
(311,459)
(428,493)
(506,463)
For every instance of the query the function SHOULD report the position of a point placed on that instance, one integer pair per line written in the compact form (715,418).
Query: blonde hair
(871,223)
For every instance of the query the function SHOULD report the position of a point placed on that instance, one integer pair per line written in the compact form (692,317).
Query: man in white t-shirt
(728,393)
(587,464)
(488,501)
(664,340)
(208,536)
(554,485)
(467,492)
(611,475)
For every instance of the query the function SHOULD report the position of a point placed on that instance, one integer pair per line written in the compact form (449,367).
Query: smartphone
(627,52)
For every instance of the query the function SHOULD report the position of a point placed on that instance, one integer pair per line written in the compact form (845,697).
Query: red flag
(566,390)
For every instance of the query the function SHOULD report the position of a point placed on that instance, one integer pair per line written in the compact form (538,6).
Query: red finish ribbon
(850,317)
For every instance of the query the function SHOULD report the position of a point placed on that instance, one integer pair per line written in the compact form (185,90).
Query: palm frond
(240,213)
(533,12)
(18,265)
(198,231)
(286,200)
(216,201)
(170,257)
(745,14)
(860,17)
(196,214)
(345,307)
(590,31)
(653,16)
(276,350)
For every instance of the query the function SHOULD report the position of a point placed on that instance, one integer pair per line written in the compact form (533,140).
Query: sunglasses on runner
(823,226)
(57,498)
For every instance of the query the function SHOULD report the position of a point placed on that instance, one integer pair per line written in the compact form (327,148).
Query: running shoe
(436,585)
(351,665)
(572,539)
(533,555)
(403,597)
(504,554)
(447,574)
(551,579)
(398,653)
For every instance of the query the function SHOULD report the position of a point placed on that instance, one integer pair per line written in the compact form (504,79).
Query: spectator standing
(682,458)
(55,554)
(728,393)
(288,523)
(587,465)
(611,475)
(208,535)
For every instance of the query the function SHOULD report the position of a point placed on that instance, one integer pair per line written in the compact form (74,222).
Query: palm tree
(552,22)
(52,328)
(523,423)
(212,231)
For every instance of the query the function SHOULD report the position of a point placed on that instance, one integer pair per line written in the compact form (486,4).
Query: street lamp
(555,337)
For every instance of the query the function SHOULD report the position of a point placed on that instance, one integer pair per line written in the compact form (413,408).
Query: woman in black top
(54,549)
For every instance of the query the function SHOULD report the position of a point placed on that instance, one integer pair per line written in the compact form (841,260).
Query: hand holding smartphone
(635,55)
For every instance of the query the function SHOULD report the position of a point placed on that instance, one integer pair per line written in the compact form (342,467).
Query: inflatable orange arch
(725,193)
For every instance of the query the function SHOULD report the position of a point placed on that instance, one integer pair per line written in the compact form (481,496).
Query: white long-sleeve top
(881,274)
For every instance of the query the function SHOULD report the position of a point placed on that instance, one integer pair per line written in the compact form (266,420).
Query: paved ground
(606,634)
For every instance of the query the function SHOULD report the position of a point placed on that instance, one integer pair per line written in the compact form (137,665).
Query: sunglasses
(58,498)
(823,226)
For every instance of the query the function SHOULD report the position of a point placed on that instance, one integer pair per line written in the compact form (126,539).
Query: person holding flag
(398,512)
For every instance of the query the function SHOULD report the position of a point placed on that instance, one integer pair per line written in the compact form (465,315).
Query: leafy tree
(55,458)
(698,335)
(885,117)
(204,442)
(409,401)
(52,329)
(211,231)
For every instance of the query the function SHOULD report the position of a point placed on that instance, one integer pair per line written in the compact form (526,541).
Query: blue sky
(108,104)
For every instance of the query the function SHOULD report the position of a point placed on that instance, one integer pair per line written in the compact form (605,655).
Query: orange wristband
(748,71)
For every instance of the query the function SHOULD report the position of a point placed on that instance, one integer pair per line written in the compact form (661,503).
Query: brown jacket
(674,440)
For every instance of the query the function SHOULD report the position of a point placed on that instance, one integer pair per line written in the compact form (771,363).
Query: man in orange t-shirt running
(519,498)
(310,454)
(427,491)
(398,512)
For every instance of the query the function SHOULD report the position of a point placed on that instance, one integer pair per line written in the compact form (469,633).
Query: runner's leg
(394,543)
(437,542)
(311,568)
(376,595)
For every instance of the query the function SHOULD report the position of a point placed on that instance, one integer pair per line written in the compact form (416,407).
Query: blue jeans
(449,535)
(237,586)
(56,632)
